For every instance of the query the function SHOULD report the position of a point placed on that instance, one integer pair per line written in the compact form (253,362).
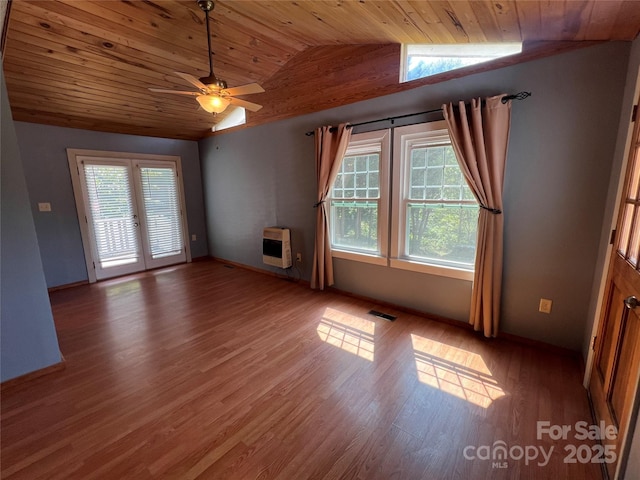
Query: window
(359,199)
(433,216)
(419,61)
(436,215)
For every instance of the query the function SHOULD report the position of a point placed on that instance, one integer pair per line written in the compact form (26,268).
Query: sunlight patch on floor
(455,371)
(348,332)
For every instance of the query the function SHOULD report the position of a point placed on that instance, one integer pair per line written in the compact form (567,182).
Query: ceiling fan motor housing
(213,81)
(205,5)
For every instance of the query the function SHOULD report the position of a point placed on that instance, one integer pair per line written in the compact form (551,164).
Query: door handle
(631,302)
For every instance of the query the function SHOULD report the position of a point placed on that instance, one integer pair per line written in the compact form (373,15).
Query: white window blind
(112,213)
(162,210)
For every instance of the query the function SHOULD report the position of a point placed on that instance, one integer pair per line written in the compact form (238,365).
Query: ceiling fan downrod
(206,6)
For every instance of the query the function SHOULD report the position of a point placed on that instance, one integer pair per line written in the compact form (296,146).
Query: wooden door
(617,346)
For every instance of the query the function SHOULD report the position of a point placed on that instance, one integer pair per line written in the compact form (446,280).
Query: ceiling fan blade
(161,90)
(244,89)
(192,80)
(252,107)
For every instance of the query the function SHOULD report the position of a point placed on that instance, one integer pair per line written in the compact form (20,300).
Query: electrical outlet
(545,305)
(44,207)
(299,257)
(194,237)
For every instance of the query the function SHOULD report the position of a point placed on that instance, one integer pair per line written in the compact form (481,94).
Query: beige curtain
(479,135)
(330,148)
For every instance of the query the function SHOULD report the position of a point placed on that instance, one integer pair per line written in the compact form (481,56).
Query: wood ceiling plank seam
(318,98)
(383,17)
(448,18)
(104,114)
(267,33)
(529,18)
(323,21)
(373,22)
(95,58)
(91,124)
(194,39)
(56,54)
(428,34)
(349,54)
(299,24)
(424,15)
(76,39)
(78,20)
(602,20)
(307,65)
(78,15)
(506,14)
(21,115)
(245,47)
(486,18)
(180,33)
(467,17)
(627,26)
(39,102)
(412,27)
(18,56)
(27,64)
(20,87)
(577,13)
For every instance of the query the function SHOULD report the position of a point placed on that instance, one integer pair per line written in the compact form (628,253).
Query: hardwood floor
(203,371)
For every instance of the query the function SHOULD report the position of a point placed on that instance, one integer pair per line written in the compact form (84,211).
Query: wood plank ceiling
(88,64)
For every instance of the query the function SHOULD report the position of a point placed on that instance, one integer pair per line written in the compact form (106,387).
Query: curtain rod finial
(517,96)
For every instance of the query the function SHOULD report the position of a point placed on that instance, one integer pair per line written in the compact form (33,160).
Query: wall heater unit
(276,247)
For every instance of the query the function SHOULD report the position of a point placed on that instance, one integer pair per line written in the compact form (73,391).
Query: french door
(616,364)
(132,212)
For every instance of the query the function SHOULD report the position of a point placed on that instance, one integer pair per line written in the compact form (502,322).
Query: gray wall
(560,157)
(48,180)
(28,337)
(624,125)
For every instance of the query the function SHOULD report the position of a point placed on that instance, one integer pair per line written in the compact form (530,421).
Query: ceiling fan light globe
(213,103)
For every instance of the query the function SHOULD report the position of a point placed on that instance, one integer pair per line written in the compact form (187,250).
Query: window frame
(484,52)
(391,217)
(405,139)
(363,143)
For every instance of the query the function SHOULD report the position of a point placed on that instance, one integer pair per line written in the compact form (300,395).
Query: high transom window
(419,60)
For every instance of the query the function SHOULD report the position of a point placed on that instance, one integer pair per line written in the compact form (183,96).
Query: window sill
(450,272)
(360,257)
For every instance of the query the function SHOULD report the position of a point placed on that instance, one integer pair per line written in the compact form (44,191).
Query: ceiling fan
(214,96)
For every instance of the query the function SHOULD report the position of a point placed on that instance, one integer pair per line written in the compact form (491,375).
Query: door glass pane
(112,214)
(635,176)
(634,242)
(162,211)
(625,232)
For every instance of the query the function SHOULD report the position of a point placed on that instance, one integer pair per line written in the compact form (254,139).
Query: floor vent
(386,316)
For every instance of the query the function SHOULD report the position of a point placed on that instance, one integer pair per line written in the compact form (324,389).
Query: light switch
(44,207)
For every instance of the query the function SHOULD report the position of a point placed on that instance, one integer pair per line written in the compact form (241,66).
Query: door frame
(604,272)
(73,153)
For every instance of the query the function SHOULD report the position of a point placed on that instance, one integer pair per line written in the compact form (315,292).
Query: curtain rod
(505,99)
